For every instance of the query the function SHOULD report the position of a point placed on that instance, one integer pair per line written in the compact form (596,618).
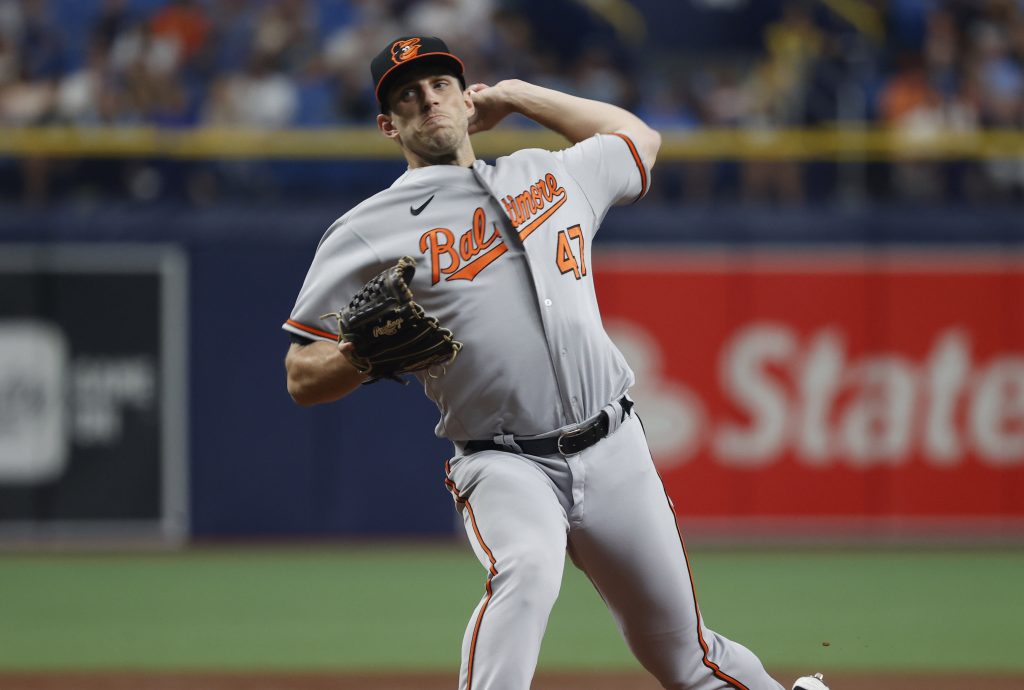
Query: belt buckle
(575,433)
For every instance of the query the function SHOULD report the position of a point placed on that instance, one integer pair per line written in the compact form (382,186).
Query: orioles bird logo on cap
(405,50)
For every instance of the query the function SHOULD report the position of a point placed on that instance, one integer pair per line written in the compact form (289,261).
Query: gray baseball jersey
(517,293)
(504,261)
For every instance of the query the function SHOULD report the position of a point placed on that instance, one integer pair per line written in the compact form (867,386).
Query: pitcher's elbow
(299,393)
(650,145)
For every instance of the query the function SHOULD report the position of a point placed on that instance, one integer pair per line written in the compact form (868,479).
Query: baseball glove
(390,332)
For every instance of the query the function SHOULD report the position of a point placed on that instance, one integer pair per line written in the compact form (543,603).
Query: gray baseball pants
(608,508)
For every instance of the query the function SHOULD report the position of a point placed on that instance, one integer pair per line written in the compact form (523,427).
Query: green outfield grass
(405,607)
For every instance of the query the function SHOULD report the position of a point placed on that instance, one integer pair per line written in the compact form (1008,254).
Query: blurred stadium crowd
(922,65)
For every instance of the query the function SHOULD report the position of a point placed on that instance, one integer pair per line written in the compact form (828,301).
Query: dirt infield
(407,681)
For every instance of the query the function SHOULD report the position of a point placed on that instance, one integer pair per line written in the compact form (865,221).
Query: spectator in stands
(115,18)
(776,87)
(9,68)
(34,58)
(231,34)
(998,77)
(907,102)
(26,101)
(999,73)
(350,100)
(942,53)
(596,76)
(151,85)
(512,49)
(908,94)
(183,27)
(263,96)
(42,45)
(465,23)
(285,32)
(86,96)
(374,23)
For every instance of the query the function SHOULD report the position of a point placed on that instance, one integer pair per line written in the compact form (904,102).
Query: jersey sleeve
(609,169)
(341,266)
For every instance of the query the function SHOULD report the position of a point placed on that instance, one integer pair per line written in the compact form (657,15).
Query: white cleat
(815,682)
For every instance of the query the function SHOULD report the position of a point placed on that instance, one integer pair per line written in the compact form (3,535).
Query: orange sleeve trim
(639,164)
(311,330)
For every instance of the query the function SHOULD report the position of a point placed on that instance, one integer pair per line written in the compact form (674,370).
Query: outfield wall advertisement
(92,392)
(859,384)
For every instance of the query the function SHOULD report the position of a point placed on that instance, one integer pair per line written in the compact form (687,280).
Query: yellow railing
(360,143)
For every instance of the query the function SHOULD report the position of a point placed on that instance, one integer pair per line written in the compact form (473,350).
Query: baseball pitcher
(476,279)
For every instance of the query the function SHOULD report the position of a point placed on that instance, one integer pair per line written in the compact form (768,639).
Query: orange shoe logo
(405,50)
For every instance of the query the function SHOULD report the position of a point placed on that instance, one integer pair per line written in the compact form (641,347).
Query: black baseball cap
(408,50)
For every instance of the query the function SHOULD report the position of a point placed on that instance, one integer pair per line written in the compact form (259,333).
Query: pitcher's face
(429,115)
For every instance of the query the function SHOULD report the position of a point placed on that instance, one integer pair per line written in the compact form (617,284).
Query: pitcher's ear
(386,126)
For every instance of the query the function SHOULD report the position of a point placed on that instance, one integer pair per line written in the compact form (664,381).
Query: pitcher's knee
(534,576)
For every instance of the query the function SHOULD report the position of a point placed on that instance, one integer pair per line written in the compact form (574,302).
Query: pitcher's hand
(493,104)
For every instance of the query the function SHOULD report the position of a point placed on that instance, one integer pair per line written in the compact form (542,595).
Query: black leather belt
(568,443)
